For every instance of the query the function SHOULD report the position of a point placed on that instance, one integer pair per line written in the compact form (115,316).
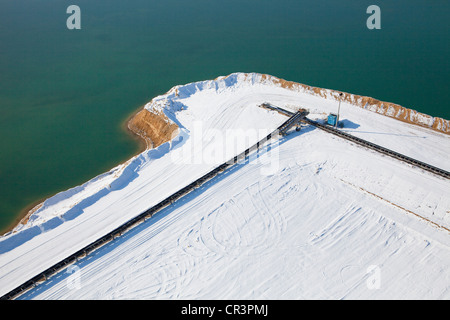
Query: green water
(65,93)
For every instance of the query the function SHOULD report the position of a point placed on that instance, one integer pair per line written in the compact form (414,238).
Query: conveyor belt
(378,148)
(365,143)
(294,118)
(44,275)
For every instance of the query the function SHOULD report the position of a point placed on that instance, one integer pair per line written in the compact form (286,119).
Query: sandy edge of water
(141,136)
(150,129)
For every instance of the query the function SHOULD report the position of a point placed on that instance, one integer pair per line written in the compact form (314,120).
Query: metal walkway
(42,276)
(294,120)
(365,143)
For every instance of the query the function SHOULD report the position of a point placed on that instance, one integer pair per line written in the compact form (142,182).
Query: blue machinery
(294,120)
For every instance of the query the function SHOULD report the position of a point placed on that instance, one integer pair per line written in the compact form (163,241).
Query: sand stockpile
(154,127)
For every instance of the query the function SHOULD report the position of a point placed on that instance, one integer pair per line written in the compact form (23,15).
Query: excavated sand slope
(155,128)
(388,109)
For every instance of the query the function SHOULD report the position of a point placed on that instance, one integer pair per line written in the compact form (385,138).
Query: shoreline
(152,127)
(22,216)
(387,109)
(25,213)
(124,125)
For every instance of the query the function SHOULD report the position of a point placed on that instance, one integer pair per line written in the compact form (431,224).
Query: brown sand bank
(151,130)
(154,128)
(388,109)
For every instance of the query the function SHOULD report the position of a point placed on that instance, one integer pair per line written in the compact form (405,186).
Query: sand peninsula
(307,193)
(153,127)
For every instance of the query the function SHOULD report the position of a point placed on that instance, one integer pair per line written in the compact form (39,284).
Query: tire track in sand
(243,224)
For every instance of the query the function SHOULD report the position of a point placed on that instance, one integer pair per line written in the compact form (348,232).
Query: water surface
(64,94)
